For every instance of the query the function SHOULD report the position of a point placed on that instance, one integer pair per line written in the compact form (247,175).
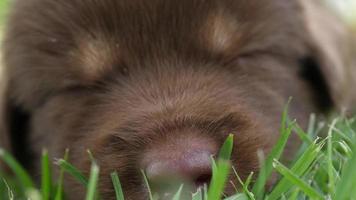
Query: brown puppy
(158,85)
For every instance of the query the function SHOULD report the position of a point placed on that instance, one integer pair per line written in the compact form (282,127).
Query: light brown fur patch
(94,57)
(221,32)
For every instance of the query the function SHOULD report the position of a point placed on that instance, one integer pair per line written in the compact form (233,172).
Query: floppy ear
(332,46)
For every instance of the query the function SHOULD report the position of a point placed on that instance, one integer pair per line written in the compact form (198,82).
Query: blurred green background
(3,11)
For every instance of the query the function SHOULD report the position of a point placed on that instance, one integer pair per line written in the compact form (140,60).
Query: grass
(324,168)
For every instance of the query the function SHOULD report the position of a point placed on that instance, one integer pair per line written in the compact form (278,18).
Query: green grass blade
(178,194)
(294,195)
(117,186)
(59,190)
(93,182)
(10,193)
(46,178)
(205,192)
(308,190)
(220,175)
(299,168)
(331,184)
(226,149)
(245,185)
(249,194)
(17,169)
(147,185)
(91,156)
(73,171)
(266,167)
(277,150)
(340,133)
(198,195)
(307,139)
(33,194)
(351,125)
(347,184)
(346,150)
(214,170)
(238,197)
(221,170)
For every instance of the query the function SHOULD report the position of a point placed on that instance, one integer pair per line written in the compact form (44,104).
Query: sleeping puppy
(158,85)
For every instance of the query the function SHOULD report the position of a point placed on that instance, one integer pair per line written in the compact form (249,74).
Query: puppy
(158,85)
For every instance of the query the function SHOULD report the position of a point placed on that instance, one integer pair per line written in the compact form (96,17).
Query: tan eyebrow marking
(220,32)
(94,57)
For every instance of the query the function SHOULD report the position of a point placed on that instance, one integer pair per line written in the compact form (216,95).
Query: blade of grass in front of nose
(331,169)
(238,197)
(117,186)
(148,186)
(46,178)
(198,195)
(226,149)
(276,152)
(59,189)
(221,171)
(246,185)
(10,193)
(73,171)
(93,182)
(178,194)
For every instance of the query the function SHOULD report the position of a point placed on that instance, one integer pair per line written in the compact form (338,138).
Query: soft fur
(123,77)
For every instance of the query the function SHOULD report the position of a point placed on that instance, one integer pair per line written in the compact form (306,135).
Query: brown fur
(121,77)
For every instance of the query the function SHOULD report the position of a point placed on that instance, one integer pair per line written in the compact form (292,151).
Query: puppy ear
(13,127)
(332,47)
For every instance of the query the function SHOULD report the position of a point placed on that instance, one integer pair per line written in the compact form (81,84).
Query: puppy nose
(191,166)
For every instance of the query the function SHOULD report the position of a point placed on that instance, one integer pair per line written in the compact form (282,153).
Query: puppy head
(160,85)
